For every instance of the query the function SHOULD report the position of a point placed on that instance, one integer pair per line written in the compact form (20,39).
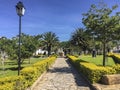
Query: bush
(90,70)
(28,75)
(7,86)
(9,83)
(116,57)
(32,73)
(93,72)
(117,68)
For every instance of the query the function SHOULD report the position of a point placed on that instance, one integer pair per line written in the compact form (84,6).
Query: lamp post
(20,12)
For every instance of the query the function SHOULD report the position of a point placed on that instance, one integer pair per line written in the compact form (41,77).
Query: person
(94,53)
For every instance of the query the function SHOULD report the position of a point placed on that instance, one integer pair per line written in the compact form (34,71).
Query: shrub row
(32,73)
(115,56)
(117,68)
(10,83)
(94,73)
(28,75)
(90,70)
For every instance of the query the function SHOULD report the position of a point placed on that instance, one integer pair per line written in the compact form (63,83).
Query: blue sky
(59,16)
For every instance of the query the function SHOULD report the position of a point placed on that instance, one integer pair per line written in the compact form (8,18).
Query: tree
(49,40)
(4,43)
(101,22)
(29,45)
(80,38)
(66,46)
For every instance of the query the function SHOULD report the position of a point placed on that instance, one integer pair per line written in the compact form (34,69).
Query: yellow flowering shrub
(7,86)
(72,57)
(117,68)
(9,79)
(110,54)
(27,77)
(115,56)
(94,72)
(33,72)
(9,83)
(90,70)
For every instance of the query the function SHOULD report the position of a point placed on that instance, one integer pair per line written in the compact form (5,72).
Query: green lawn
(98,60)
(11,66)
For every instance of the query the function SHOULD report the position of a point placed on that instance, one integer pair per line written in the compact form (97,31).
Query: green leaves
(29,44)
(49,40)
(104,23)
(80,38)
(100,20)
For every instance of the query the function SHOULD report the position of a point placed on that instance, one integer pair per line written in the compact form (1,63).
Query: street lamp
(20,9)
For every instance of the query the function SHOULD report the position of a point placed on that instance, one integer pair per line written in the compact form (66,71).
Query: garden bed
(93,72)
(28,75)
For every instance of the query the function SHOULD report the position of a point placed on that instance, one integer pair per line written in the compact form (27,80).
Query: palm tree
(49,40)
(79,38)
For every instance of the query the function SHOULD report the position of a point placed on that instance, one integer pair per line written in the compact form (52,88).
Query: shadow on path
(70,69)
(60,70)
(80,81)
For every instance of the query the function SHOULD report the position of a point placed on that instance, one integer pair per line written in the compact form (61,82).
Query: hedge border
(90,70)
(28,75)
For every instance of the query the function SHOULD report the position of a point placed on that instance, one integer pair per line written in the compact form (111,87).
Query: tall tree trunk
(49,50)
(104,53)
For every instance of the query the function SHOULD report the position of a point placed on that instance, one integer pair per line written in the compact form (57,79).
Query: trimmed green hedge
(32,73)
(115,56)
(11,83)
(90,70)
(28,75)
(117,68)
(93,72)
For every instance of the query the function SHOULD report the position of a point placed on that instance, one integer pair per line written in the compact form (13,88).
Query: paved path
(62,76)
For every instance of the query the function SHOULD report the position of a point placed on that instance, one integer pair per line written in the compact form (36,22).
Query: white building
(40,51)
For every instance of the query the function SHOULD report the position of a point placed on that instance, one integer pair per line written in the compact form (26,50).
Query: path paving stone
(62,76)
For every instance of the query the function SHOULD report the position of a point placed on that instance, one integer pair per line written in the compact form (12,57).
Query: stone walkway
(62,76)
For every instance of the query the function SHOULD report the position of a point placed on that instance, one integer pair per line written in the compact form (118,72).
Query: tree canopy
(103,23)
(29,44)
(49,40)
(80,38)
